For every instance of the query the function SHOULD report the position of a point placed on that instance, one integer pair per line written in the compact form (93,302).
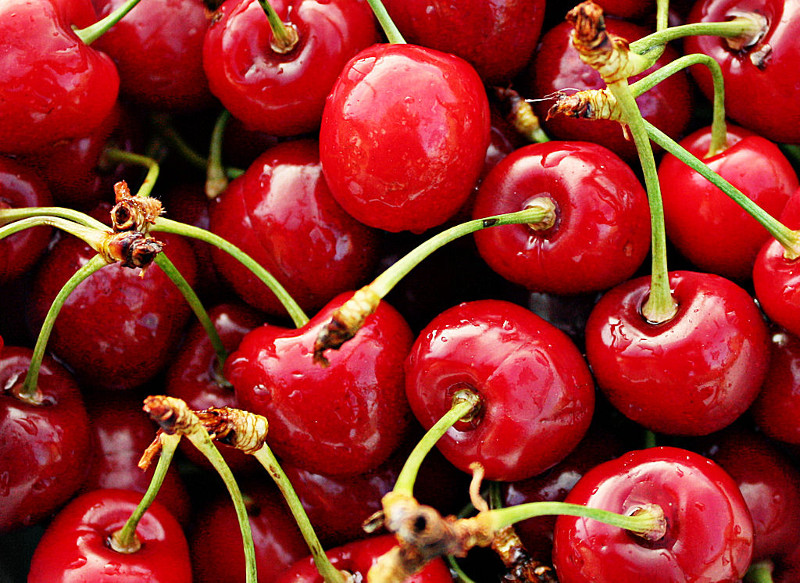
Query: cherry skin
(601,233)
(692,375)
(44,448)
(536,392)
(283,94)
(346,418)
(709,534)
(74,547)
(705,225)
(761,80)
(404,135)
(74,87)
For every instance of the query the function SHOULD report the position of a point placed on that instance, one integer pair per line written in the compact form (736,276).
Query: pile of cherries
(306,179)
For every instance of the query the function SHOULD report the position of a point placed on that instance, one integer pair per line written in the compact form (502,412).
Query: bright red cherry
(74,549)
(346,418)
(709,532)
(705,225)
(601,231)
(691,375)
(404,136)
(283,94)
(536,392)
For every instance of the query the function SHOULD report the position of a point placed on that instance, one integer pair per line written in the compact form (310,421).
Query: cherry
(44,446)
(535,390)
(404,135)
(709,532)
(75,86)
(497,38)
(760,80)
(346,418)
(282,93)
(690,375)
(711,230)
(75,546)
(597,199)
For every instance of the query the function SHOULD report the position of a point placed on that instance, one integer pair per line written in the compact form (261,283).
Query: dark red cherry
(283,94)
(703,223)
(404,136)
(691,375)
(74,548)
(709,532)
(761,80)
(536,392)
(74,86)
(346,418)
(281,212)
(601,232)
(44,448)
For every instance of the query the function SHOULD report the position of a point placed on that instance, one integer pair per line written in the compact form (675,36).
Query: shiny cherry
(75,546)
(536,392)
(601,231)
(709,532)
(691,375)
(404,136)
(346,418)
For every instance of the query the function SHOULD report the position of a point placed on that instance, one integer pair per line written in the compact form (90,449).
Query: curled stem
(153,169)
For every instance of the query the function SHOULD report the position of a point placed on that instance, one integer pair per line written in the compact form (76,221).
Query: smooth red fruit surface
(116,330)
(404,136)
(346,418)
(283,94)
(19,188)
(44,449)
(52,85)
(762,80)
(557,67)
(537,395)
(497,38)
(705,225)
(601,233)
(281,212)
(692,375)
(709,535)
(74,547)
(357,558)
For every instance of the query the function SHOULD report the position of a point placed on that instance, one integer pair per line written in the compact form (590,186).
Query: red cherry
(691,375)
(706,226)
(537,395)
(601,233)
(44,449)
(761,81)
(404,136)
(74,87)
(709,533)
(74,548)
(283,94)
(346,418)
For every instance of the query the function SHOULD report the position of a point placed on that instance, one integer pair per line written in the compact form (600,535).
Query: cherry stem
(216,180)
(125,540)
(326,569)
(760,572)
(284,35)
(460,574)
(789,239)
(295,311)
(465,405)
(387,24)
(650,439)
(117,155)
(791,151)
(15,214)
(94,31)
(30,385)
(662,14)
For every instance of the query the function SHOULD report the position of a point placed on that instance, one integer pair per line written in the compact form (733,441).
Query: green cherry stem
(216,179)
(89,234)
(329,573)
(460,575)
(789,239)
(117,155)
(284,35)
(125,540)
(760,572)
(391,31)
(93,32)
(10,215)
(295,311)
(662,15)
